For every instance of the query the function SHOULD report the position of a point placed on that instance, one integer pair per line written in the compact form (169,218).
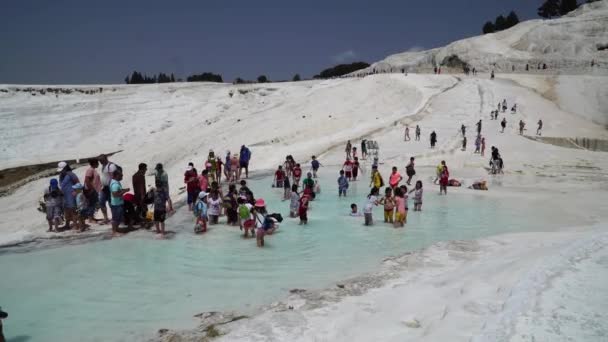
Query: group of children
(394,202)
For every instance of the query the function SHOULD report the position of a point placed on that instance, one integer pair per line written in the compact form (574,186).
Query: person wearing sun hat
(200,213)
(67,179)
(259,213)
(53,201)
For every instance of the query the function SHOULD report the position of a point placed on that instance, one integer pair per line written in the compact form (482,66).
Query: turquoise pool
(125,289)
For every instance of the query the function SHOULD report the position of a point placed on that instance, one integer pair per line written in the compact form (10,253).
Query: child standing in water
(297,174)
(356,168)
(246,220)
(303,209)
(417,196)
(279,177)
(295,201)
(215,205)
(315,166)
(200,213)
(389,205)
(348,169)
(372,200)
(342,184)
(395,178)
(401,202)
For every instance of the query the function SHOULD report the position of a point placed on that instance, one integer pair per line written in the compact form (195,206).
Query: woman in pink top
(203,181)
(395,178)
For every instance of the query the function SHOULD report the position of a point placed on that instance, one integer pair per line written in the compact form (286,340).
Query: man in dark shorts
(139,189)
(160,210)
(245,156)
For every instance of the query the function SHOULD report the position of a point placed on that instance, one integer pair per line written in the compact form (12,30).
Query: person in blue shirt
(342,184)
(245,156)
(116,200)
(315,166)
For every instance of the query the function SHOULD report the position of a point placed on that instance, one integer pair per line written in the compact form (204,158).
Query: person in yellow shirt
(439,171)
(377,181)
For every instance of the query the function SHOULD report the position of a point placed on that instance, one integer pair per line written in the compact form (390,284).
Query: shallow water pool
(125,289)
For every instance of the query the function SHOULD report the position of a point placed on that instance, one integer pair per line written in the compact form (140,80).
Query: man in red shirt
(279,177)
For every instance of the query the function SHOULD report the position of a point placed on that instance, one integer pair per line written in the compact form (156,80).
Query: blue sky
(67,41)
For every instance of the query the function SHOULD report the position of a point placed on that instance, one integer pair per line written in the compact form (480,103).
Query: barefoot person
(107,168)
(67,179)
(116,201)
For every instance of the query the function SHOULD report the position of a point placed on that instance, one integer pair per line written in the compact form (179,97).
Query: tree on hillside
(488,27)
(342,69)
(500,23)
(262,79)
(567,6)
(296,77)
(239,80)
(549,9)
(172,78)
(512,19)
(205,77)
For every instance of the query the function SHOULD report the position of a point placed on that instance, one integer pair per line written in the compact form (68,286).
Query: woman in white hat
(67,179)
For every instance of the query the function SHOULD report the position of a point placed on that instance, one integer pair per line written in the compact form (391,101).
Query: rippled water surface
(127,288)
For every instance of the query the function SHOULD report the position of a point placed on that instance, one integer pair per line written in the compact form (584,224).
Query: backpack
(198,208)
(268,222)
(315,164)
(277,217)
(244,212)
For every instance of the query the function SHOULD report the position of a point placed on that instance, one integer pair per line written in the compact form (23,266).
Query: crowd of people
(213,192)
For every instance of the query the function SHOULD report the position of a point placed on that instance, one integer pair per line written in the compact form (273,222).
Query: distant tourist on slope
(463,129)
(540,127)
(464,143)
(477,144)
(417,133)
(483,145)
(503,124)
(433,139)
(478,124)
(407,133)
(522,125)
